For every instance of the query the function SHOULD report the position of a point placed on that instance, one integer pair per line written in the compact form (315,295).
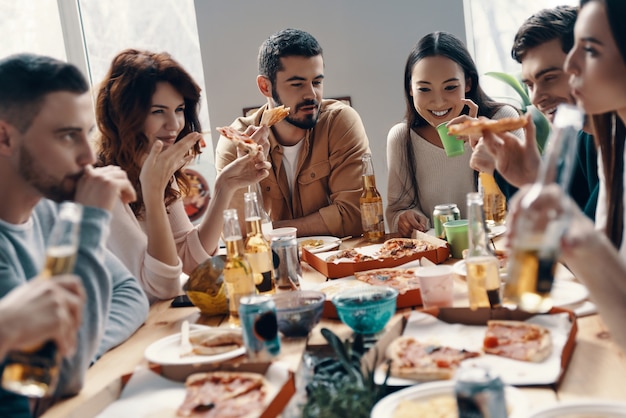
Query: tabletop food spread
(410,365)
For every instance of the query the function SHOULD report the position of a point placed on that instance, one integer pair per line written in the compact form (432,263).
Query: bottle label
(266,285)
(372,217)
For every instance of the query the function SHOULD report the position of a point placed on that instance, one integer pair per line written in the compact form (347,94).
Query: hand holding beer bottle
(35,372)
(536,235)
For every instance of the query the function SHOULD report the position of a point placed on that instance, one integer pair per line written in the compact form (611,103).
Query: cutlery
(185,349)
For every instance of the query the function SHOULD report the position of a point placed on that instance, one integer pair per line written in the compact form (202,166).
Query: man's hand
(101,187)
(41,310)
(516,160)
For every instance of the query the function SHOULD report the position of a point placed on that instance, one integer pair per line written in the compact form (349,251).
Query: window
(491,27)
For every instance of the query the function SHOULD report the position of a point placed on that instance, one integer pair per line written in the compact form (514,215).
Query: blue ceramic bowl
(298,312)
(366,309)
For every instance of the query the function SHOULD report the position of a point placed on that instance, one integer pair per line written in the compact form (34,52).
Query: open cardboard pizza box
(564,339)
(408,299)
(334,270)
(140,393)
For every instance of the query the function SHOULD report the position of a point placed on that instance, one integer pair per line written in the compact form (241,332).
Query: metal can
(479,394)
(442,214)
(259,326)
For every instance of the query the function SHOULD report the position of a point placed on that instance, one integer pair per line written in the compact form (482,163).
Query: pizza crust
(274,115)
(518,340)
(243,141)
(412,359)
(476,127)
(224,394)
(212,342)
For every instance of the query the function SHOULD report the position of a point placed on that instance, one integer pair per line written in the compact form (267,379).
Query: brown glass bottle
(372,218)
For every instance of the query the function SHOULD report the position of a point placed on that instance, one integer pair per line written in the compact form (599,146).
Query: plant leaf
(342,354)
(515,84)
(542,127)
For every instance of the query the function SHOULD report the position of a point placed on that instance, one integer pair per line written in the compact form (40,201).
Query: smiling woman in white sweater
(440,84)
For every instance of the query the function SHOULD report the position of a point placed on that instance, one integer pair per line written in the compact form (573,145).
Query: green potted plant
(541,123)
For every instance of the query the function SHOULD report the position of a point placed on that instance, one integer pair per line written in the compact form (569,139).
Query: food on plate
(412,359)
(400,279)
(517,340)
(440,406)
(311,243)
(243,141)
(274,115)
(476,127)
(224,394)
(392,248)
(211,341)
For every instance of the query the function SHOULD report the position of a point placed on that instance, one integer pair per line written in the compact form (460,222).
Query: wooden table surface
(597,369)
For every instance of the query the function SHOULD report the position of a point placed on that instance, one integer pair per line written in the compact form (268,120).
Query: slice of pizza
(402,247)
(243,141)
(476,127)
(213,341)
(274,115)
(412,359)
(400,279)
(224,394)
(517,340)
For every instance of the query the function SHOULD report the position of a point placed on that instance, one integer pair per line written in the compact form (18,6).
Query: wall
(365,42)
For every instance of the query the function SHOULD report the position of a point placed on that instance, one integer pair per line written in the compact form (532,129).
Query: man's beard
(45,184)
(308,122)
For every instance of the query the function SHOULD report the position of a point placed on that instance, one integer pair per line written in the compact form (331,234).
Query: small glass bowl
(366,309)
(299,311)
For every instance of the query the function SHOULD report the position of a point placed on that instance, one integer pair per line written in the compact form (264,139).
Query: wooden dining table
(596,371)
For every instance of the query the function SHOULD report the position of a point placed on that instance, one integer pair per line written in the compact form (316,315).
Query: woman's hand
(242,172)
(161,164)
(472,115)
(409,221)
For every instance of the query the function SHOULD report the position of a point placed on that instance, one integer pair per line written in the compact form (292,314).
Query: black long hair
(449,46)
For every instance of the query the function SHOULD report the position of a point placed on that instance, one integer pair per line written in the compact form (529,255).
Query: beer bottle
(372,218)
(483,277)
(237,271)
(536,243)
(256,248)
(494,201)
(34,372)
(266,220)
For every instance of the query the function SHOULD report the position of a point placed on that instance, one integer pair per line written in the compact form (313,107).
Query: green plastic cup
(452,146)
(457,236)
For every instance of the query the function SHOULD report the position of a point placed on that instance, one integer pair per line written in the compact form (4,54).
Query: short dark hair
(285,43)
(544,26)
(25,80)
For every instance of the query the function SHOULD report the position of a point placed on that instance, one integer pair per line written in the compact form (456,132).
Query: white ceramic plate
(583,409)
(328,243)
(496,231)
(386,407)
(165,351)
(565,292)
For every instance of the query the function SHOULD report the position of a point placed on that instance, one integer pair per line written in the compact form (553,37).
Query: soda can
(259,326)
(442,214)
(479,394)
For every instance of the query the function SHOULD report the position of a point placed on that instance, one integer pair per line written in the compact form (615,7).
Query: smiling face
(167,115)
(53,152)
(543,74)
(438,85)
(598,71)
(299,86)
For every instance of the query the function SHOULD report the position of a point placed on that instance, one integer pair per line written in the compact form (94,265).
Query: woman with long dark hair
(440,83)
(147,114)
